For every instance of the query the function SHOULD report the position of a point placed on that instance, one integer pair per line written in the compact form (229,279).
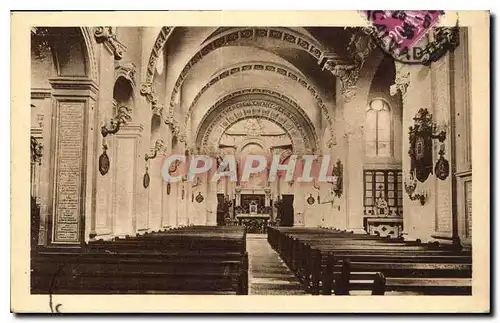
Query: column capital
(402,80)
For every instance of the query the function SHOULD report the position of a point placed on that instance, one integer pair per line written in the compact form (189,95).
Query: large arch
(266,67)
(230,110)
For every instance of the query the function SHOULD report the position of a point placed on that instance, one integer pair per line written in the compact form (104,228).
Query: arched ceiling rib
(264,80)
(268,68)
(267,38)
(219,60)
(198,65)
(253,103)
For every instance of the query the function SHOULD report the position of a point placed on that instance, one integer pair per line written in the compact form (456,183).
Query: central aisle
(268,275)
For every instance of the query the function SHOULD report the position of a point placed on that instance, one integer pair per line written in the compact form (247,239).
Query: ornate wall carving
(106,35)
(360,46)
(127,70)
(148,89)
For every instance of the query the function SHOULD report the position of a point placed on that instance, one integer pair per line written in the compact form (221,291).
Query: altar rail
(338,261)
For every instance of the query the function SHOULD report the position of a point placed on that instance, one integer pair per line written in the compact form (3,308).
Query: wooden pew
(406,266)
(189,261)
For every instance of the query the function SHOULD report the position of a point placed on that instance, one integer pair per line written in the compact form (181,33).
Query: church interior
(109,104)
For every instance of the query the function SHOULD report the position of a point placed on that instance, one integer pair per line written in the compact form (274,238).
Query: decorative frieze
(106,35)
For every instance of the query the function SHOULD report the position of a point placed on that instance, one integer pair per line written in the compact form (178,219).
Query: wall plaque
(443,207)
(468,209)
(68,172)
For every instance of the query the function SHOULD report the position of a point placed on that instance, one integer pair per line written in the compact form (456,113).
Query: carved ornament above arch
(126,70)
(216,122)
(250,94)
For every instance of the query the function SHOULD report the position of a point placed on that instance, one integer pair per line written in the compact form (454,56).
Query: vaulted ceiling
(205,64)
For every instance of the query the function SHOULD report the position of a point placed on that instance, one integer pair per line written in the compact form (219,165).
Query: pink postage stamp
(401,33)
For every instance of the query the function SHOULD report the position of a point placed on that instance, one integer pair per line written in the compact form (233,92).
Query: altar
(255,223)
(386,226)
(253,216)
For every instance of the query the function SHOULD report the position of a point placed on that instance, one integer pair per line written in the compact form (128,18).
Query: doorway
(286,210)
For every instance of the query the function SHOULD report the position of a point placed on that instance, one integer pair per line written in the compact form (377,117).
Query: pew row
(194,262)
(318,256)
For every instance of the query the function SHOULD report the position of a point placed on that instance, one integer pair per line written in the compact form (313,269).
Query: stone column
(74,166)
(354,152)
(211,204)
(298,205)
(155,191)
(165,212)
(128,171)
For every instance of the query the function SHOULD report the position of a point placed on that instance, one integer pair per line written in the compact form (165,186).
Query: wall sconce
(159,145)
(410,186)
(196,184)
(122,116)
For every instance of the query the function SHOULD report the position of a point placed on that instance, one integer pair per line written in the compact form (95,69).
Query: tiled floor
(268,275)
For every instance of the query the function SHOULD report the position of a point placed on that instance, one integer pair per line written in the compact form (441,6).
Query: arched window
(378,134)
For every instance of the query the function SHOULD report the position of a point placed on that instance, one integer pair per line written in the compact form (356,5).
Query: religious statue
(253,207)
(381,206)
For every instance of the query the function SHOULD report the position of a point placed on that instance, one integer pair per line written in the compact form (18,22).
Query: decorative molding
(106,35)
(298,126)
(147,88)
(267,67)
(360,46)
(90,43)
(160,41)
(348,76)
